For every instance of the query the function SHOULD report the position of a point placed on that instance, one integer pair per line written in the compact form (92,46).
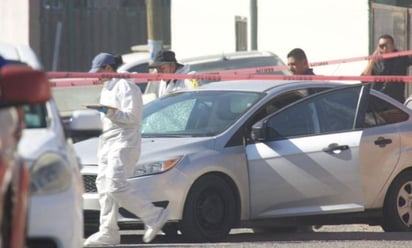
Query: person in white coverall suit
(119,151)
(165,62)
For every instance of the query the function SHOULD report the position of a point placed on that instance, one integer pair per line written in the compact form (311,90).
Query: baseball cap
(101,60)
(163,57)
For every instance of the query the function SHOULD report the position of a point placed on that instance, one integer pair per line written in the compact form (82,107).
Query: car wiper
(166,135)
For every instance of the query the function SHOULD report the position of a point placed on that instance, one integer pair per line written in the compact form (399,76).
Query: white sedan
(268,155)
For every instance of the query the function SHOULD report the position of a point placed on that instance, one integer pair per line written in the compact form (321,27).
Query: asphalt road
(343,236)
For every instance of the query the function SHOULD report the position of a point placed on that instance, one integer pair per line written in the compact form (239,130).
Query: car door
(380,147)
(308,161)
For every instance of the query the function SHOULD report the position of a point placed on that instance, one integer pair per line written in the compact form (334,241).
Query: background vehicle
(56,185)
(16,54)
(19,85)
(139,62)
(69,99)
(265,154)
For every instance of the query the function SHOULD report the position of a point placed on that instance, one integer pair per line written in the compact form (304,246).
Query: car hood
(152,148)
(34,142)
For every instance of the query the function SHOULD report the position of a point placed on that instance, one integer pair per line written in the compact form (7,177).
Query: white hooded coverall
(119,151)
(166,88)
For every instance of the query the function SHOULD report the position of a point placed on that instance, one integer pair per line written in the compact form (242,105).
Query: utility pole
(154,12)
(253,24)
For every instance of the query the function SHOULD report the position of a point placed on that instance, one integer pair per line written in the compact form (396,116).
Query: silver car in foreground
(270,155)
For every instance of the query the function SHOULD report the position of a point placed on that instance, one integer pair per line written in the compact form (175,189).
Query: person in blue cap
(118,153)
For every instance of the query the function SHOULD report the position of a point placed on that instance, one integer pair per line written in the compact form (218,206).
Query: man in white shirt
(165,62)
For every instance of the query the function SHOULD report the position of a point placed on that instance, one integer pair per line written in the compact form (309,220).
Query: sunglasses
(385,45)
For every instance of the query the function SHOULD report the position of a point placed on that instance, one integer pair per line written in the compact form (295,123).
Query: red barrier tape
(239,74)
(213,77)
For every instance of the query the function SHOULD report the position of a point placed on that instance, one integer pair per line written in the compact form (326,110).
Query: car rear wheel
(171,230)
(397,209)
(209,211)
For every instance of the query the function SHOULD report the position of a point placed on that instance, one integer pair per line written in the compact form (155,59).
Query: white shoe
(153,230)
(99,239)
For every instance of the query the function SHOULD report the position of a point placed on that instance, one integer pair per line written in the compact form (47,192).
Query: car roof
(227,56)
(17,54)
(263,85)
(133,59)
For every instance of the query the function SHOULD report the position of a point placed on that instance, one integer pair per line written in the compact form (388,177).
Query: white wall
(14,30)
(202,27)
(325,29)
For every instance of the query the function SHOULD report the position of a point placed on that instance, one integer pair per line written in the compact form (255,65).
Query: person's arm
(369,67)
(131,104)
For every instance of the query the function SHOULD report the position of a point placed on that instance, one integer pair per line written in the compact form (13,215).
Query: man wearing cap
(119,151)
(165,62)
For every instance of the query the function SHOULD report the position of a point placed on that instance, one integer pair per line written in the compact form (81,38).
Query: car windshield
(195,113)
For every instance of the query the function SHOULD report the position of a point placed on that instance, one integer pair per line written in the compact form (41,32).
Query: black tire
(89,230)
(210,210)
(171,230)
(397,210)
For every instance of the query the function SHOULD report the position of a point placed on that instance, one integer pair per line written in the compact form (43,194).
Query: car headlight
(156,166)
(50,173)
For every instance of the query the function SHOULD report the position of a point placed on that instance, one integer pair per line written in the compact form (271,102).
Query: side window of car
(333,111)
(35,115)
(285,99)
(380,112)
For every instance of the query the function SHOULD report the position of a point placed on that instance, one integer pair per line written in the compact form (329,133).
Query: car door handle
(382,142)
(335,148)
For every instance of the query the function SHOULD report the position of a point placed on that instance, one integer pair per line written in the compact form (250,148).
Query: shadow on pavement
(310,236)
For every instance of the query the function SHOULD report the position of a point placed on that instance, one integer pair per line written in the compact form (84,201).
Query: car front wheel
(397,209)
(209,211)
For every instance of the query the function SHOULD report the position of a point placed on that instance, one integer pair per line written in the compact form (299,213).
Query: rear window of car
(229,64)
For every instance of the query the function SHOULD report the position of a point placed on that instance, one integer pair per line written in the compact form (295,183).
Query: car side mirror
(84,124)
(22,85)
(258,132)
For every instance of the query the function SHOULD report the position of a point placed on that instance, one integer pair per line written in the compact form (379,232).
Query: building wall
(205,27)
(325,29)
(14,30)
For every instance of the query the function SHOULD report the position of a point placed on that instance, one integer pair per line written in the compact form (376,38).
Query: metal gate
(72,32)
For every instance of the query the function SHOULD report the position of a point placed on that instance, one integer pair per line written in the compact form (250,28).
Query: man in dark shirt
(391,66)
(298,63)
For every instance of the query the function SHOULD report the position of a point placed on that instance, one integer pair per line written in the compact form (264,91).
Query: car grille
(41,243)
(89,182)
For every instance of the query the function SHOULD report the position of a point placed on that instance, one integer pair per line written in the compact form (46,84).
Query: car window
(380,112)
(195,113)
(35,116)
(327,112)
(283,100)
(140,68)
